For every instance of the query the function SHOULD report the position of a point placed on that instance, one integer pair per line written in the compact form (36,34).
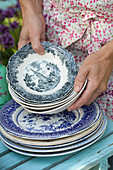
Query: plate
(18,121)
(57,109)
(71,145)
(72,139)
(55,142)
(39,154)
(64,148)
(42,78)
(72,97)
(37,106)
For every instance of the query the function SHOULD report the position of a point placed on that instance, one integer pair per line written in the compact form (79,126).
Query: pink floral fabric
(82,27)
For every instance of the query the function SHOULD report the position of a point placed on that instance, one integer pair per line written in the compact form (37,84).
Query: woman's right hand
(33,29)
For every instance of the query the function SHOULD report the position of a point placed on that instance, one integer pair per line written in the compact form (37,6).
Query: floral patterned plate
(42,78)
(19,122)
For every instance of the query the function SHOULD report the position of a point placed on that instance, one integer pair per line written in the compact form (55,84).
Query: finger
(22,43)
(85,97)
(23,40)
(80,79)
(36,45)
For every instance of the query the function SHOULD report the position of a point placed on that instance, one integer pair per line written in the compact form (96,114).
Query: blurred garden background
(10,26)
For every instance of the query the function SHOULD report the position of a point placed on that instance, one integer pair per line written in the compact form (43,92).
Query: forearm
(31,6)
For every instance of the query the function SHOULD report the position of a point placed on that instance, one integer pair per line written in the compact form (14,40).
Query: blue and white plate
(65,103)
(65,146)
(94,133)
(57,152)
(58,108)
(42,78)
(19,122)
(55,142)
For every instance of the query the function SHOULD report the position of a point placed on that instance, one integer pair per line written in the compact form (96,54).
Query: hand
(33,30)
(97,68)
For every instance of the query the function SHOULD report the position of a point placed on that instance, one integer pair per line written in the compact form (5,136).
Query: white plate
(71,97)
(35,106)
(43,106)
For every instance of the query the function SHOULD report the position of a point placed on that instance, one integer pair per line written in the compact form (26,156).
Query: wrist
(29,7)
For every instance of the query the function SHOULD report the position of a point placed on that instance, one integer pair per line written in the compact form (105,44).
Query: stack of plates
(36,122)
(43,84)
(50,135)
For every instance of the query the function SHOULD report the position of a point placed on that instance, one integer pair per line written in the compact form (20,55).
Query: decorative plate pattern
(60,147)
(16,120)
(42,79)
(64,148)
(52,142)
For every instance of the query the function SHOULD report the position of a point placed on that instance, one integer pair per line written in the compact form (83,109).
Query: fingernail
(42,52)
(69,109)
(77,88)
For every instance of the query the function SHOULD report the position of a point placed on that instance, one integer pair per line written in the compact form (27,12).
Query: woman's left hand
(97,68)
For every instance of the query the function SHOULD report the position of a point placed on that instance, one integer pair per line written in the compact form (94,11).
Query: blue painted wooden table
(95,156)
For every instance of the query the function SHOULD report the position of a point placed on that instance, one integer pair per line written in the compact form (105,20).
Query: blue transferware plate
(19,122)
(42,78)
(65,103)
(53,142)
(63,148)
(62,151)
(59,147)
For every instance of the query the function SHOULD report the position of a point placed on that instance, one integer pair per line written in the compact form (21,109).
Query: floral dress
(82,27)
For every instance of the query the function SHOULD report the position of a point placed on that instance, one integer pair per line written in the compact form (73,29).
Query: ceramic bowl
(42,78)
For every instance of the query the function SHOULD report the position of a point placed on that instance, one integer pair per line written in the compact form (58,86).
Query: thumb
(80,79)
(36,45)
